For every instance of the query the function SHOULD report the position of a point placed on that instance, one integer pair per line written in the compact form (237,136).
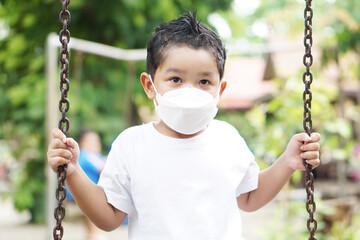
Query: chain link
(307,97)
(64,124)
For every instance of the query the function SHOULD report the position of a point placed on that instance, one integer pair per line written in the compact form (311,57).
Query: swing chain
(307,97)
(64,124)
(64,38)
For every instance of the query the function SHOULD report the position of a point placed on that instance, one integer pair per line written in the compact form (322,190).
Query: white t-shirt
(180,189)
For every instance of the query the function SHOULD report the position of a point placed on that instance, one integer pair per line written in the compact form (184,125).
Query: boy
(185,176)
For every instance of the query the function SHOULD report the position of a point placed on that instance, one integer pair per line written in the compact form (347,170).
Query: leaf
(345,17)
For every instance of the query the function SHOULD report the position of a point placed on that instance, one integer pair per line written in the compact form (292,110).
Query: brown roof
(245,83)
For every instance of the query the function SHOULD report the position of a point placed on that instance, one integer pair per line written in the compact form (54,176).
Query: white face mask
(186,110)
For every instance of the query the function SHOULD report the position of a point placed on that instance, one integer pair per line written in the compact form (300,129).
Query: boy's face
(185,67)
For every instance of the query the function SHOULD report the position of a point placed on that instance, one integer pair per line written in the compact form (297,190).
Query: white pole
(51,117)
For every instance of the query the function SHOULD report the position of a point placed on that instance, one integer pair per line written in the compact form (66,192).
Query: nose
(190,85)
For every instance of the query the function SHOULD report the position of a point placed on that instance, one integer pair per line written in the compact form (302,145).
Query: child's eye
(175,80)
(204,82)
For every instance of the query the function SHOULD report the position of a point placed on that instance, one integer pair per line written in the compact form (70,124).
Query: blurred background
(263,100)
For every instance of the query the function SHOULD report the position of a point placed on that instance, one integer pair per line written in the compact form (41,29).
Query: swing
(64,123)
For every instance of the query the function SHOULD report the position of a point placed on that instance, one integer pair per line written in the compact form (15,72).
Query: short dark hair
(186,30)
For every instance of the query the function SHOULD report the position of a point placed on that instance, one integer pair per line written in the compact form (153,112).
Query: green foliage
(285,18)
(98,85)
(347,24)
(288,222)
(343,231)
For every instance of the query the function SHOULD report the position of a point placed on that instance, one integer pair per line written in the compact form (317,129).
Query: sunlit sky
(245,7)
(241,8)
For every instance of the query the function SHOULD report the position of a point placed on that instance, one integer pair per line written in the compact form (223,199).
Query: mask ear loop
(152,83)
(219,90)
(157,93)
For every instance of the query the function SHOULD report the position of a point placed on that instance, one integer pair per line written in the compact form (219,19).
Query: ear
(223,85)
(147,85)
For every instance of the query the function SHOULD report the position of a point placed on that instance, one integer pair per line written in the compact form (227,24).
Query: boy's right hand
(62,150)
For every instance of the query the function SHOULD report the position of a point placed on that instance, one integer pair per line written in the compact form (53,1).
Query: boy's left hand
(302,146)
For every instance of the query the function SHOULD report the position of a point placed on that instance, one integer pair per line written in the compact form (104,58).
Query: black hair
(83,131)
(186,30)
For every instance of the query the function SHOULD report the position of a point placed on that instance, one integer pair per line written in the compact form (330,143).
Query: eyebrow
(174,70)
(177,70)
(207,74)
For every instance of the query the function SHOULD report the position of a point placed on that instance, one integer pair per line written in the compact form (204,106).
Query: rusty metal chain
(64,124)
(307,97)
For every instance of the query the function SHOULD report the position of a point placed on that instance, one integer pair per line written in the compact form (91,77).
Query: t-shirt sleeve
(250,180)
(251,177)
(115,180)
